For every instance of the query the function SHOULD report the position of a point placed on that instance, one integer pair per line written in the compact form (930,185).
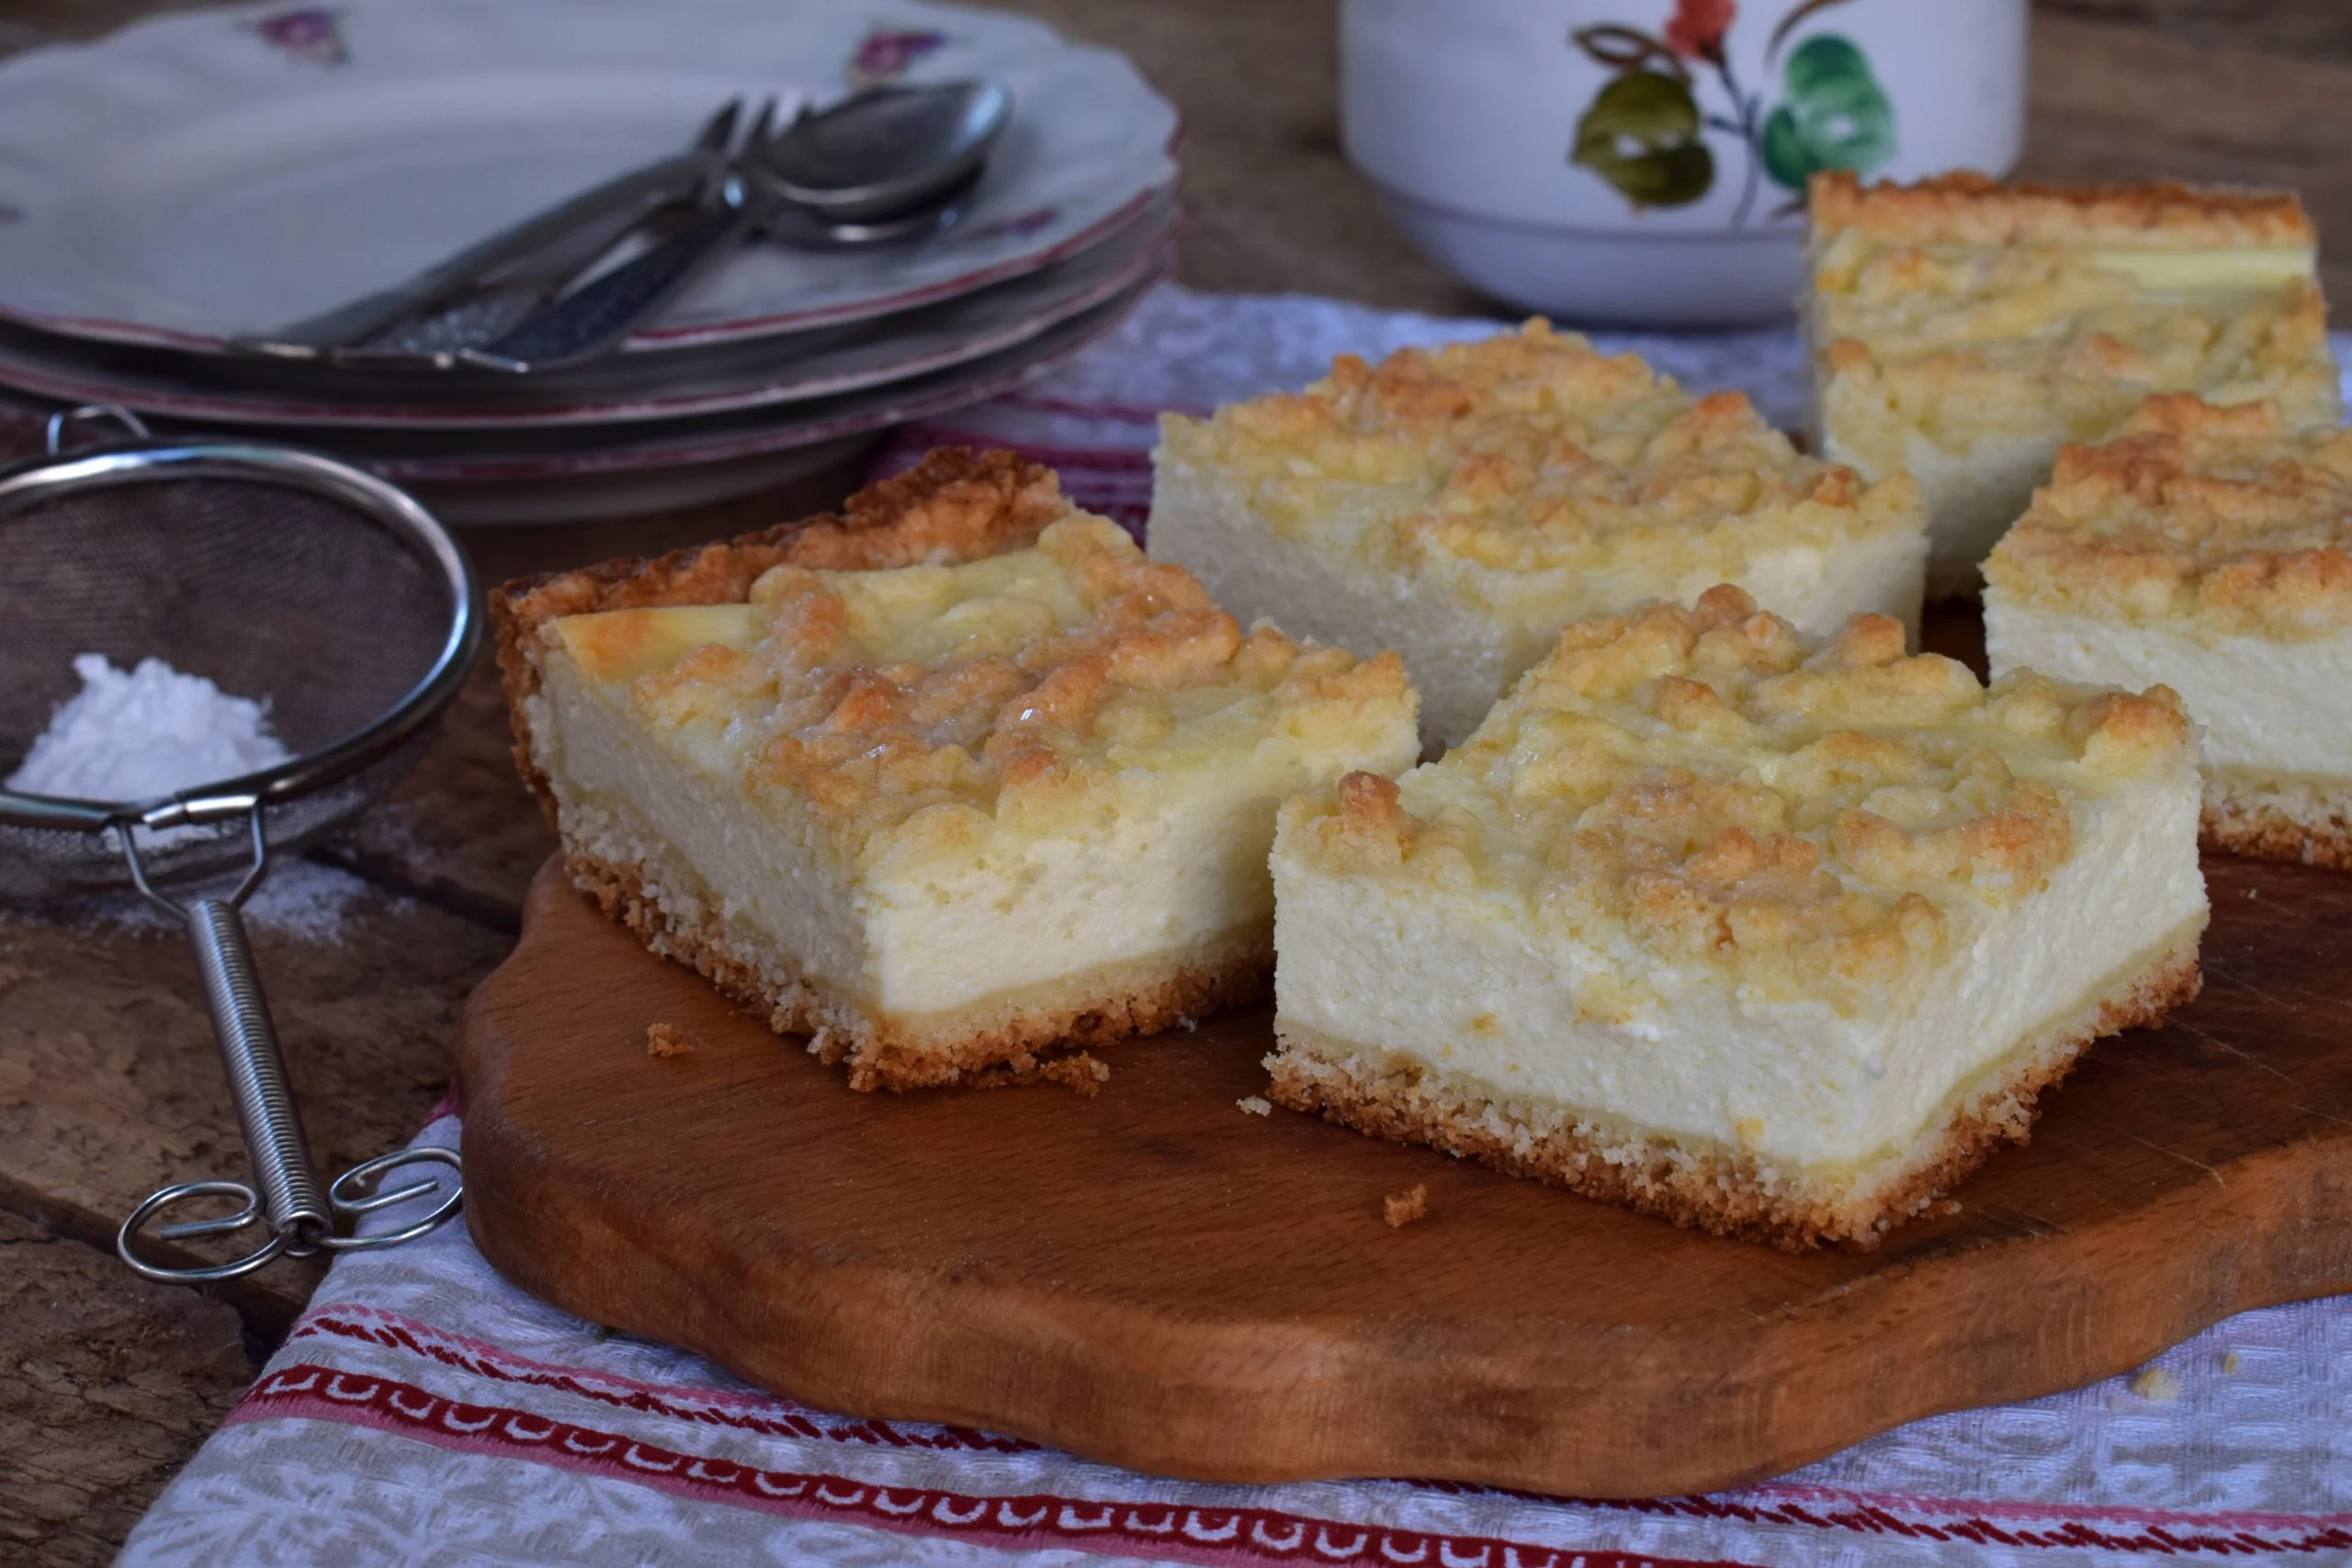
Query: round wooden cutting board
(1156,1279)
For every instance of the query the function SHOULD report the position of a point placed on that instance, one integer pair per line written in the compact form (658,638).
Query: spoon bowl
(886,151)
(788,226)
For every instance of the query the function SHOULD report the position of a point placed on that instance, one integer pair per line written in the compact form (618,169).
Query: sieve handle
(285,1199)
(292,1202)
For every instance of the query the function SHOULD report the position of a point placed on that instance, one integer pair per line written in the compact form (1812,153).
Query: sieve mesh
(331,611)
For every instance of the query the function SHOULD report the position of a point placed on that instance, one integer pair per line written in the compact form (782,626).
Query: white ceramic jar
(1642,161)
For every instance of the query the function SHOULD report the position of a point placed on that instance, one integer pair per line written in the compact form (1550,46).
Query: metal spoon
(886,151)
(794,227)
(919,151)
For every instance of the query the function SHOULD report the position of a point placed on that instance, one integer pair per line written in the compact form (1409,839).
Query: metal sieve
(320,590)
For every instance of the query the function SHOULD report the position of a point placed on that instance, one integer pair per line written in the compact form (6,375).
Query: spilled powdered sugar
(137,734)
(299,899)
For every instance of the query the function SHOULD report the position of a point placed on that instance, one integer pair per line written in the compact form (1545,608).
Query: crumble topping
(926,696)
(1960,307)
(955,504)
(1822,816)
(1972,210)
(2225,519)
(1530,453)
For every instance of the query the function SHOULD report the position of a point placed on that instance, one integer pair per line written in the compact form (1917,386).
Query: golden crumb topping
(929,695)
(1530,454)
(1823,818)
(2222,518)
(1960,308)
(1970,209)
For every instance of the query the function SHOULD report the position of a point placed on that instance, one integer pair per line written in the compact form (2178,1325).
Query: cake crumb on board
(2230,1361)
(1256,1105)
(1404,1208)
(1082,1075)
(2157,1384)
(667,1040)
(1080,1072)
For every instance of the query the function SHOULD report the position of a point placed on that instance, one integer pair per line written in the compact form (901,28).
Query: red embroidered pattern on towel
(1217,1536)
(1979,1521)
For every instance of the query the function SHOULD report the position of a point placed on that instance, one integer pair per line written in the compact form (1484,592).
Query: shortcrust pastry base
(1717,1188)
(2309,828)
(1012,1036)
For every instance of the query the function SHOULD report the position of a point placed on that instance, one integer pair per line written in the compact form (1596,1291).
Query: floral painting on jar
(1645,130)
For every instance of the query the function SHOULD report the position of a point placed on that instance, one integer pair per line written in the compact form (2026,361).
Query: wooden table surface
(109,1083)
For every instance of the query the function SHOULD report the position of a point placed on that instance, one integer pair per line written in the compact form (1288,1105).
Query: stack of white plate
(226,171)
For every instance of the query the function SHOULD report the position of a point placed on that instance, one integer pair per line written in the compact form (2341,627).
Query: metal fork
(543,252)
(602,311)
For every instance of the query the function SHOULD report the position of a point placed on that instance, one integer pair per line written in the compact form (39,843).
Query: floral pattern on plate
(312,35)
(886,53)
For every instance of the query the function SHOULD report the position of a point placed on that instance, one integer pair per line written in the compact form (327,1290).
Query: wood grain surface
(112,1380)
(1156,1279)
(107,1081)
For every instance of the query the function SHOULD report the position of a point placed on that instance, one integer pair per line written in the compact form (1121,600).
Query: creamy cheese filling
(1169,862)
(1972,494)
(2275,709)
(1174,872)
(627,799)
(1472,986)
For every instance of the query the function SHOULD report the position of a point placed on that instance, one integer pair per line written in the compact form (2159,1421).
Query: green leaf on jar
(1834,115)
(1641,135)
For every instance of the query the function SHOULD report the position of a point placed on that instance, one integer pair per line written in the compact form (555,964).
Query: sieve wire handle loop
(61,423)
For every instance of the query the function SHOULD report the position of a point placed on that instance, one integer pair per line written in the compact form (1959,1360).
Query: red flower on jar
(1696,30)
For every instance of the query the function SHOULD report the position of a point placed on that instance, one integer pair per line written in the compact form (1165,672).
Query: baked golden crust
(1530,453)
(1970,209)
(911,704)
(954,505)
(2313,828)
(977,1048)
(1814,814)
(2226,519)
(1717,1190)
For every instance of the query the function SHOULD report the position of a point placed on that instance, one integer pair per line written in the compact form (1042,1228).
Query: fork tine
(756,140)
(719,129)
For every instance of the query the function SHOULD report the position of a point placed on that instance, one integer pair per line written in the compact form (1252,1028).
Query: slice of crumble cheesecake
(2210,548)
(1768,935)
(1964,330)
(946,783)
(1462,504)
